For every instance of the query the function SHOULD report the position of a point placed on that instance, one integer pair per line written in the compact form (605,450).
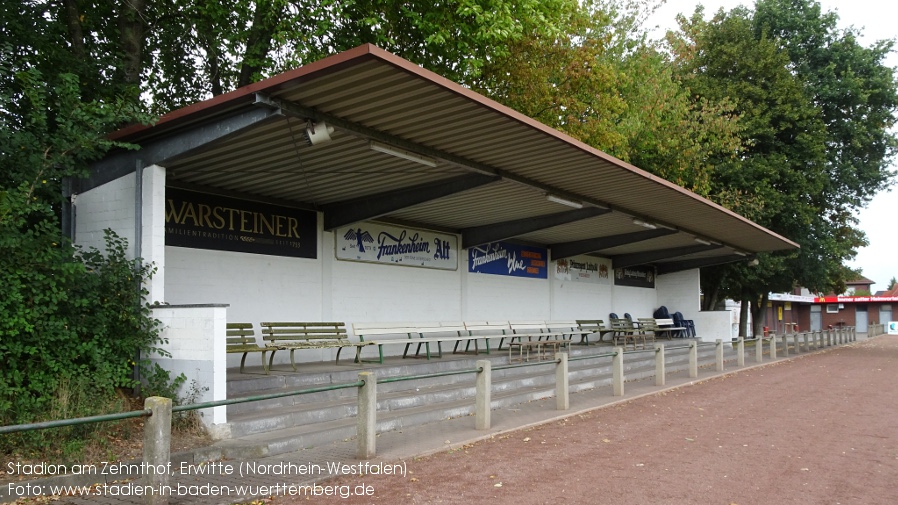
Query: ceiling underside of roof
(493,168)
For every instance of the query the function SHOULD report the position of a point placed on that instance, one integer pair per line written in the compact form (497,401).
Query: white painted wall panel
(108,206)
(680,292)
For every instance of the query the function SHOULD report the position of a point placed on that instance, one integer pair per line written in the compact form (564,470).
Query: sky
(876,19)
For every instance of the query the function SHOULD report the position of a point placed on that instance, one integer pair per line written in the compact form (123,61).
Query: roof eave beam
(157,152)
(569,249)
(478,235)
(679,266)
(373,206)
(632,260)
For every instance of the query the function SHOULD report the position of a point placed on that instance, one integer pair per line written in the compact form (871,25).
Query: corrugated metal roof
(369,93)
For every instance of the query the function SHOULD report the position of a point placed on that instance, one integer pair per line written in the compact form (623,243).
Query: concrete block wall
(109,206)
(196,340)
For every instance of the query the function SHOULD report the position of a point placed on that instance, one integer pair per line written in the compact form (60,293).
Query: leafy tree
(603,84)
(816,109)
(64,313)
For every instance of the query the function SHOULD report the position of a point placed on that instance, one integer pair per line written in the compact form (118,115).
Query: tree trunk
(744,314)
(758,313)
(76,36)
(132,29)
(258,44)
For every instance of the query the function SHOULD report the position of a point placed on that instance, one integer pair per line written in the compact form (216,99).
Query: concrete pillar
(483,395)
(759,349)
(693,360)
(660,365)
(617,372)
(157,449)
(366,419)
(740,352)
(795,344)
(807,343)
(785,346)
(829,338)
(562,389)
(773,346)
(719,355)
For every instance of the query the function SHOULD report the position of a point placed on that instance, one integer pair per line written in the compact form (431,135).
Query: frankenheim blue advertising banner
(503,258)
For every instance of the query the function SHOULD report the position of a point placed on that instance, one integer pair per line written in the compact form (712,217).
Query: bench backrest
(621,324)
(487,328)
(240,334)
(664,322)
(562,325)
(591,324)
(528,326)
(310,331)
(648,324)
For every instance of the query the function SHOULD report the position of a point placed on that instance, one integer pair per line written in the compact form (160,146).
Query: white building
(362,188)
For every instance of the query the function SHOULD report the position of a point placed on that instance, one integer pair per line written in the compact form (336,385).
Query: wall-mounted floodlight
(317,133)
(564,201)
(402,153)
(702,241)
(644,224)
(753,263)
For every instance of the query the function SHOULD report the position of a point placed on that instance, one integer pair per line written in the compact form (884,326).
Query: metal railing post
(483,395)
(617,372)
(366,418)
(157,450)
(660,365)
(718,354)
(693,360)
(740,352)
(562,386)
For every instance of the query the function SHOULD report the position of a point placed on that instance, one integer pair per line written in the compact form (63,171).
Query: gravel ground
(813,430)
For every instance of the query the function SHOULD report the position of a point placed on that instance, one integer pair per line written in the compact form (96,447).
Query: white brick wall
(196,341)
(108,206)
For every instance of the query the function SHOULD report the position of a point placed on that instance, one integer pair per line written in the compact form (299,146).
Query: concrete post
(617,372)
(807,343)
(157,449)
(785,346)
(795,343)
(660,365)
(366,418)
(773,346)
(693,360)
(841,335)
(829,338)
(740,352)
(483,395)
(719,355)
(562,389)
(759,349)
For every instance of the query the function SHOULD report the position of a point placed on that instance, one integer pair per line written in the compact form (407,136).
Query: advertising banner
(393,245)
(584,269)
(638,277)
(204,221)
(503,258)
(893,328)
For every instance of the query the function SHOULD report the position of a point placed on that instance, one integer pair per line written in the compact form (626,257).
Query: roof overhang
(471,166)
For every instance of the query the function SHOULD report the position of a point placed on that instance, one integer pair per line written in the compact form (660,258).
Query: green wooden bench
(594,326)
(241,338)
(296,335)
(622,329)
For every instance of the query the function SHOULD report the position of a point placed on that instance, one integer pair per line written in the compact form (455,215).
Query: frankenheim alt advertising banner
(379,243)
(638,277)
(204,221)
(503,258)
(584,269)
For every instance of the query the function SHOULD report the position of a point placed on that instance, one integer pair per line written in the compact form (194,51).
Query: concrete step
(292,423)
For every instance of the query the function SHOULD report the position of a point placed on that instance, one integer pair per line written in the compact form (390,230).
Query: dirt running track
(818,429)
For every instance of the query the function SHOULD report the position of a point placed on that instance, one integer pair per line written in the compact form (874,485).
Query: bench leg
(292,363)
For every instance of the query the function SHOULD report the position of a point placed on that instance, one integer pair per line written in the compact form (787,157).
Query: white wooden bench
(417,334)
(527,336)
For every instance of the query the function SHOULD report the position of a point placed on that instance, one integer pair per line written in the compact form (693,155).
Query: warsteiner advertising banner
(393,245)
(503,258)
(639,277)
(204,221)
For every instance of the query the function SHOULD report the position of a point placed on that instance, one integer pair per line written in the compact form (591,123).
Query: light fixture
(402,153)
(317,133)
(702,241)
(740,253)
(753,263)
(644,224)
(564,201)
